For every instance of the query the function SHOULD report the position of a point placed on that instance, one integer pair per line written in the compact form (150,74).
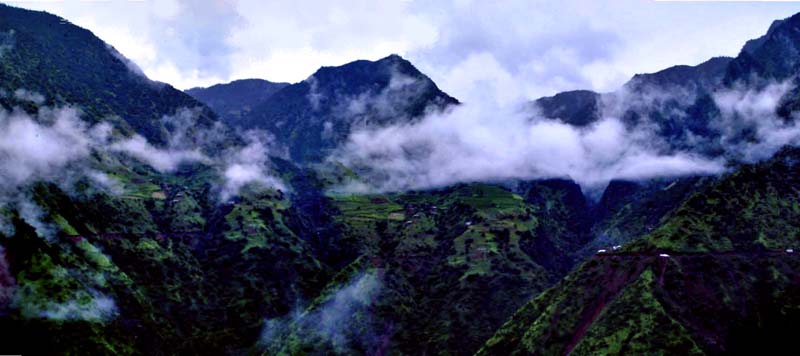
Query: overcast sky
(513,49)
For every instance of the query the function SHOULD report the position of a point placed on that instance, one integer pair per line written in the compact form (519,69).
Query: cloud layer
(478,143)
(55,145)
(548,46)
(247,166)
(642,133)
(343,320)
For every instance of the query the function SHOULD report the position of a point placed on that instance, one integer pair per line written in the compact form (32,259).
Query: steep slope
(702,77)
(584,107)
(235,100)
(154,262)
(579,107)
(727,271)
(444,269)
(628,210)
(65,64)
(160,268)
(317,114)
(770,57)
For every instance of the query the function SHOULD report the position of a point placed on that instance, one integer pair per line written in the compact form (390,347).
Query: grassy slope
(68,65)
(727,277)
(185,273)
(452,266)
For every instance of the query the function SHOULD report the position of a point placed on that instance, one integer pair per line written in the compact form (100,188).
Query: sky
(508,50)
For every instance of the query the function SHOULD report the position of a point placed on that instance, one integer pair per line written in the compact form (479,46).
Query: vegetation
(158,264)
(721,261)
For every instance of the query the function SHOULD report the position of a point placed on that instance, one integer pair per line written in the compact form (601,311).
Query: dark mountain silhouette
(67,64)
(317,114)
(236,99)
(160,265)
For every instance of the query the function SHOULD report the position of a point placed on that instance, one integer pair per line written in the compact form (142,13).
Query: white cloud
(331,320)
(163,160)
(484,142)
(247,166)
(546,46)
(106,182)
(749,125)
(25,95)
(98,308)
(29,150)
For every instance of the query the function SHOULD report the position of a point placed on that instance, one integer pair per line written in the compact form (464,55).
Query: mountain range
(209,222)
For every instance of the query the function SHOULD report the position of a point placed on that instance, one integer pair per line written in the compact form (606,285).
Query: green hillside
(719,275)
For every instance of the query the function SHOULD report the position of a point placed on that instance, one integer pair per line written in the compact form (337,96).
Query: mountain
(579,107)
(665,97)
(66,64)
(434,261)
(317,114)
(159,263)
(236,99)
(680,103)
(751,45)
(713,270)
(702,77)
(770,57)
(700,283)
(161,266)
(154,262)
(583,107)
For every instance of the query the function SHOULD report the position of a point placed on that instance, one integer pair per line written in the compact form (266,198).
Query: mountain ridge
(315,115)
(234,100)
(159,264)
(67,64)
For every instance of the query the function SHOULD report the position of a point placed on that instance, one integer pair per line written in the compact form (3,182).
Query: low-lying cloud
(247,166)
(55,145)
(163,160)
(30,150)
(26,95)
(473,143)
(487,141)
(51,146)
(335,321)
(749,125)
(94,307)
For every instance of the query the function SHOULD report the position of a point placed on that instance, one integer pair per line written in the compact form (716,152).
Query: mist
(248,165)
(98,307)
(495,140)
(55,145)
(485,142)
(163,160)
(749,125)
(340,320)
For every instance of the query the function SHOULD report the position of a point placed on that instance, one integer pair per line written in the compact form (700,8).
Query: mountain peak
(576,107)
(68,64)
(751,45)
(361,74)
(773,56)
(236,99)
(700,77)
(318,114)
